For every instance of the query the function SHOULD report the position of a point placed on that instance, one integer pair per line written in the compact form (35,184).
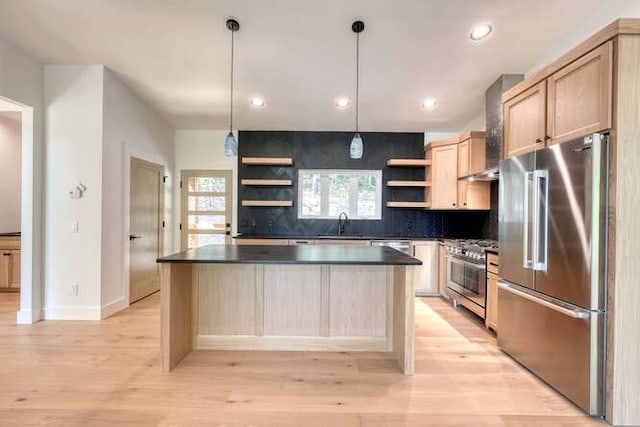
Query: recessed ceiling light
(343,103)
(429,103)
(480,32)
(257,102)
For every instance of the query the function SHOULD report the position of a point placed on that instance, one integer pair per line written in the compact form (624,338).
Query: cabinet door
(442,270)
(5,268)
(524,121)
(491,318)
(425,277)
(474,195)
(444,177)
(579,96)
(14,270)
(463,159)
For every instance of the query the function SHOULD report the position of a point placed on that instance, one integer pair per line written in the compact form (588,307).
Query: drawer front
(493,262)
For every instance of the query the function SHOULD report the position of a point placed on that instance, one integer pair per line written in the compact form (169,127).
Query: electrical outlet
(73,228)
(73,290)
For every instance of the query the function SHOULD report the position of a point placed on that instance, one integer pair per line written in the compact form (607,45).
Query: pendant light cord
(357,78)
(231,93)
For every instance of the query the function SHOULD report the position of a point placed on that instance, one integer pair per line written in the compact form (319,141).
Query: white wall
(74,111)
(430,137)
(10,168)
(131,128)
(601,15)
(21,80)
(479,122)
(94,126)
(202,149)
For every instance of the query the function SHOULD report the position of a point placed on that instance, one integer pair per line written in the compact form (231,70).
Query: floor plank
(108,373)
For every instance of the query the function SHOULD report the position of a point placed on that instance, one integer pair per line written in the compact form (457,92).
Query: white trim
(27,317)
(292,343)
(113,307)
(71,313)
(31,217)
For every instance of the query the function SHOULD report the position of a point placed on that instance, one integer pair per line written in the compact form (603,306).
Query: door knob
(134,237)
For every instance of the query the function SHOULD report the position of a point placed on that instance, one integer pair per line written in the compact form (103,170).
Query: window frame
(353,190)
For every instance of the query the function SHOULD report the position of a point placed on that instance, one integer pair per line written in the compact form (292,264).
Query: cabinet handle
(6,254)
(453,204)
(547,137)
(538,140)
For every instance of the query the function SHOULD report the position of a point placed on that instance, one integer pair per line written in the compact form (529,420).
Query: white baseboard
(27,317)
(72,313)
(113,307)
(248,342)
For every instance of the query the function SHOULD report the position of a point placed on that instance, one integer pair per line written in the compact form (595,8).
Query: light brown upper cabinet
(444,176)
(472,159)
(579,96)
(471,153)
(574,101)
(524,121)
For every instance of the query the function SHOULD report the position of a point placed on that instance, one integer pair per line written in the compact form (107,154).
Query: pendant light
(230,142)
(356,148)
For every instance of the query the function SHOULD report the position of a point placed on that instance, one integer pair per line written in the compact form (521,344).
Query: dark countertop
(11,234)
(335,237)
(280,254)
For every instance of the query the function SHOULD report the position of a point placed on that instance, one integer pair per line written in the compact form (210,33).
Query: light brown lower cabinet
(491,312)
(442,270)
(9,263)
(491,316)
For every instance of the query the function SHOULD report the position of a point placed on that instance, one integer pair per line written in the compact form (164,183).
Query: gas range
(472,250)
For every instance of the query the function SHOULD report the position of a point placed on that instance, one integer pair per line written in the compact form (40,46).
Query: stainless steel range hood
(491,174)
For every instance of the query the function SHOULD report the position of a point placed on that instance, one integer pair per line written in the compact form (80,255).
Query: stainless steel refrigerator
(551,298)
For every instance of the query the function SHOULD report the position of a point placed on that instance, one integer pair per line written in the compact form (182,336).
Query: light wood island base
(286,307)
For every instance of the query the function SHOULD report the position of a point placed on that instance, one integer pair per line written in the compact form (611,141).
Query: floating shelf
(408,184)
(274,182)
(268,203)
(409,162)
(422,205)
(268,161)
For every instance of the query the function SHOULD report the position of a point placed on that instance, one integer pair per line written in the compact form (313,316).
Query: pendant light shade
(230,142)
(357,148)
(230,145)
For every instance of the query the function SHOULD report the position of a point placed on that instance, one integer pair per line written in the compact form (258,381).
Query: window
(324,193)
(206,207)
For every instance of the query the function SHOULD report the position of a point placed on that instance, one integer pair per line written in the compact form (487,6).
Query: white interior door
(145,239)
(206,207)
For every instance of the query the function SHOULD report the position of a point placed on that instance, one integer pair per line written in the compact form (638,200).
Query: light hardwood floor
(108,374)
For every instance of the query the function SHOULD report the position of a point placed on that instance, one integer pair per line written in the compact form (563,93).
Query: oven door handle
(465,262)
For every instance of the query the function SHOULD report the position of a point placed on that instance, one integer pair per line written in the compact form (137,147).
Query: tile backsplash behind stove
(330,150)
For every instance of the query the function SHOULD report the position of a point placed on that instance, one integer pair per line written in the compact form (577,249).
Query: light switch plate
(74,227)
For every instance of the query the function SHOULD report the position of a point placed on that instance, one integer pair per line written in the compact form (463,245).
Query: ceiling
(300,54)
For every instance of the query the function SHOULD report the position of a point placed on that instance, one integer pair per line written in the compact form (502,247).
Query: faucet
(343,220)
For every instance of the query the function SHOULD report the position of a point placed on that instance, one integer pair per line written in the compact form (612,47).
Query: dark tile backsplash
(330,150)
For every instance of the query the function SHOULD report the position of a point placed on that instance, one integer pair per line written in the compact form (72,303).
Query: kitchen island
(303,298)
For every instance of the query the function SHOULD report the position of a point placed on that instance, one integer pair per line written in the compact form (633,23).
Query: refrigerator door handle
(576,314)
(540,219)
(527,262)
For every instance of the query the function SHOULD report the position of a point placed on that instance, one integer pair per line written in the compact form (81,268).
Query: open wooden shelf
(408,183)
(409,162)
(421,205)
(268,203)
(267,161)
(274,182)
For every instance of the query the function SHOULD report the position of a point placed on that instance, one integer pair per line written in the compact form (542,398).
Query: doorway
(19,264)
(205,207)
(146,223)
